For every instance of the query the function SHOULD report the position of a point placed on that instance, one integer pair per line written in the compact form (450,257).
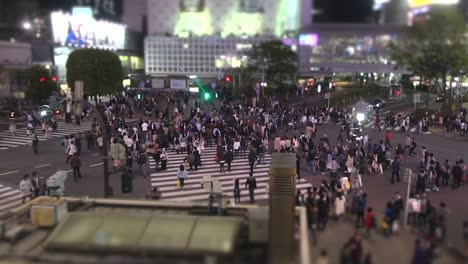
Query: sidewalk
(395,249)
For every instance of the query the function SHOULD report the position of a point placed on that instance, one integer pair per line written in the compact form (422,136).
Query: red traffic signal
(227,78)
(54,78)
(42,79)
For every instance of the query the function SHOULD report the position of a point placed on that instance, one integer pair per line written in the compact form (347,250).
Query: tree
(277,63)
(435,49)
(100,71)
(40,84)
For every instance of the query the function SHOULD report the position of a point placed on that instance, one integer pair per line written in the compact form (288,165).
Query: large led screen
(84,31)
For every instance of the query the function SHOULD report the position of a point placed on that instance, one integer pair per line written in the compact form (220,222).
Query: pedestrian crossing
(166,181)
(396,128)
(20,137)
(9,198)
(370,124)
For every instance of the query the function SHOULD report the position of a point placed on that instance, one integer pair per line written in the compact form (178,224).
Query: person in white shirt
(25,188)
(71,149)
(128,142)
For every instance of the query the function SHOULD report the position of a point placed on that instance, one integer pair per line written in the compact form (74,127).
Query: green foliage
(100,70)
(436,49)
(279,64)
(40,84)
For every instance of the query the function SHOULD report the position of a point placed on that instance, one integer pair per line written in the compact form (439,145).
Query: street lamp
(360,117)
(27,25)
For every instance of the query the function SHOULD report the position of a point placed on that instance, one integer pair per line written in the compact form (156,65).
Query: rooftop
(138,231)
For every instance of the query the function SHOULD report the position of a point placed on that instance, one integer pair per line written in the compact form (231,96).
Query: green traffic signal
(207,96)
(139,96)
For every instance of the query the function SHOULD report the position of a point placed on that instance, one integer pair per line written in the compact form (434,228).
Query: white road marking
(95,165)
(43,165)
(6,173)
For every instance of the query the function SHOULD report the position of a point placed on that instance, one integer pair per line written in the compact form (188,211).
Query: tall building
(205,37)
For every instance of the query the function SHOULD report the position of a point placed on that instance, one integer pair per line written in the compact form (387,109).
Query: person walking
(457,174)
(412,147)
(36,184)
(70,150)
(25,188)
(340,202)
(222,160)
(252,159)
(369,222)
(35,144)
(181,176)
(75,163)
(237,191)
(396,166)
(387,139)
(229,157)
(360,203)
(251,184)
(164,159)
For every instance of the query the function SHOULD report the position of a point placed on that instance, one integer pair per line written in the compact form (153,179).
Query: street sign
(416,98)
(407,175)
(326,95)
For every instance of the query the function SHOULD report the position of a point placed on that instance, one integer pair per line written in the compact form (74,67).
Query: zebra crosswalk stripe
(193,191)
(9,198)
(21,137)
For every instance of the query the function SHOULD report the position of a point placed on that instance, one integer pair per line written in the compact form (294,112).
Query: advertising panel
(157,83)
(82,30)
(178,84)
(60,61)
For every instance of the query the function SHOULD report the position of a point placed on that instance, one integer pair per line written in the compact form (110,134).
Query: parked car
(440,98)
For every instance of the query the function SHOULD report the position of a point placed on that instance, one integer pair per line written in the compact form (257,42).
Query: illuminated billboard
(82,30)
(421,3)
(184,18)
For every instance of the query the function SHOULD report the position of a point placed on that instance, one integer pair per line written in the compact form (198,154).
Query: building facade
(325,49)
(206,56)
(15,58)
(207,37)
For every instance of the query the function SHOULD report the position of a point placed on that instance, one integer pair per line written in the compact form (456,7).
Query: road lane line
(6,173)
(97,164)
(43,165)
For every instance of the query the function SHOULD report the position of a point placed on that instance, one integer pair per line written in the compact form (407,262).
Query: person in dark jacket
(229,157)
(35,144)
(75,163)
(237,190)
(251,184)
(252,159)
(396,170)
(457,173)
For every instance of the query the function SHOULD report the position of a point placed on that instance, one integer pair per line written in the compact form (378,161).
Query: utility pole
(104,154)
(408,176)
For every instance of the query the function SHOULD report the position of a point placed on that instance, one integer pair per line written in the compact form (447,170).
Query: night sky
(343,10)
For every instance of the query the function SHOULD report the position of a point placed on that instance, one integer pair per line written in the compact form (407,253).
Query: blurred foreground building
(72,230)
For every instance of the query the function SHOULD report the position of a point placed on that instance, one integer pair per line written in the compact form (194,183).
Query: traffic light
(139,96)
(227,78)
(206,96)
(54,78)
(42,79)
(12,114)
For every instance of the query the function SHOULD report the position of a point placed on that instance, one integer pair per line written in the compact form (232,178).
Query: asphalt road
(17,161)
